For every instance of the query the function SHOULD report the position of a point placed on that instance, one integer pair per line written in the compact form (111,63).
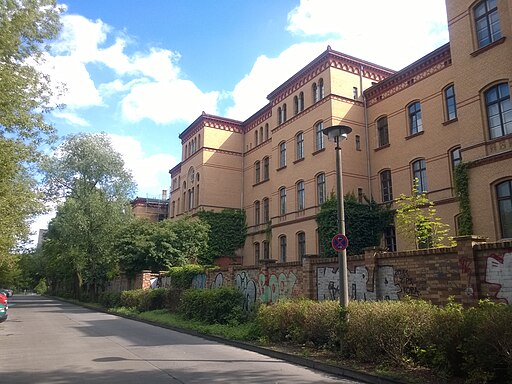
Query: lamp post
(338,133)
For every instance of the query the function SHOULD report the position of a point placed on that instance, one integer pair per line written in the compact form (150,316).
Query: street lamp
(338,133)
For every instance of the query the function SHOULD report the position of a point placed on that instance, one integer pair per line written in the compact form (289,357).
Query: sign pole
(342,259)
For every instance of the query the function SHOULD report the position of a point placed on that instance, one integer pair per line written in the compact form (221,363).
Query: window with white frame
(419,173)
(299,140)
(414,112)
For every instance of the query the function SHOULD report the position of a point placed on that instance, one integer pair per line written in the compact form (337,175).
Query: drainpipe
(366,129)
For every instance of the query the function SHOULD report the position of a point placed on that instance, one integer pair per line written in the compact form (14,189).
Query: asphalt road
(48,341)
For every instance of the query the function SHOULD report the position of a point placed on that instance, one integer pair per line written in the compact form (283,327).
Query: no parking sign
(339,242)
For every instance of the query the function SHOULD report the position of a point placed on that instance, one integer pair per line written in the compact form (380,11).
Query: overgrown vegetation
(365,224)
(416,220)
(461,182)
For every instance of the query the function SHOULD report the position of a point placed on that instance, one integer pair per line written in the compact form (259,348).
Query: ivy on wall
(228,230)
(461,181)
(364,224)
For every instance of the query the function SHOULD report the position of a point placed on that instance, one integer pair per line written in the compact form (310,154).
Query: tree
(89,175)
(416,221)
(25,99)
(364,224)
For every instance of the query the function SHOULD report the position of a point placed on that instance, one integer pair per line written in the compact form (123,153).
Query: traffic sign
(339,242)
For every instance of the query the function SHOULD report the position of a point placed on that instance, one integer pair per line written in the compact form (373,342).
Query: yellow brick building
(450,106)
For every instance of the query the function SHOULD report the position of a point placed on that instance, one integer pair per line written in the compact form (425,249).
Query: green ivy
(461,181)
(181,277)
(364,224)
(228,230)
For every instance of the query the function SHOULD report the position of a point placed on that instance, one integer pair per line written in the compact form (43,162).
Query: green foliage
(416,221)
(90,175)
(41,288)
(219,305)
(487,342)
(228,230)
(181,277)
(364,224)
(140,299)
(461,182)
(300,321)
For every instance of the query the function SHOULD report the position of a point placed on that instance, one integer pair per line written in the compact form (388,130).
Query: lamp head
(337,131)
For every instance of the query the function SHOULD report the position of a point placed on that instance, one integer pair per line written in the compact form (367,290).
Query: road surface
(49,341)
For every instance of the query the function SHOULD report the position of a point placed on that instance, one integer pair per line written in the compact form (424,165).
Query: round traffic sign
(339,242)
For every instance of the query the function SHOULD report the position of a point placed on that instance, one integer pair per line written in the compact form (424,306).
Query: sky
(142,71)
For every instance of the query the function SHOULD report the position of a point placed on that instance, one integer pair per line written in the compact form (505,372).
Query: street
(49,341)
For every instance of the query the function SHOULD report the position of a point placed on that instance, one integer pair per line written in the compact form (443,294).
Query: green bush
(388,330)
(181,277)
(487,343)
(41,287)
(144,299)
(110,299)
(213,306)
(300,321)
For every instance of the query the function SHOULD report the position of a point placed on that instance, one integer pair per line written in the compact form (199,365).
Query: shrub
(110,299)
(144,299)
(41,287)
(487,343)
(220,305)
(300,321)
(181,277)
(388,330)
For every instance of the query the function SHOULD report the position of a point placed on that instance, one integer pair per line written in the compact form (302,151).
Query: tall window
(314,89)
(301,245)
(499,110)
(173,209)
(283,111)
(256,137)
(504,195)
(382,131)
(390,239)
(300,196)
(320,189)
(295,105)
(449,99)
(256,251)
(414,111)
(386,186)
(321,92)
(419,172)
(282,201)
(266,132)
(487,22)
(266,210)
(266,250)
(299,140)
(265,168)
(319,136)
(455,157)
(256,212)
(282,249)
(358,143)
(301,101)
(282,154)
(257,172)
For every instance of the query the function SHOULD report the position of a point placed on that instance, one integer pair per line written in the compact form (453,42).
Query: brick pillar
(468,271)
(308,278)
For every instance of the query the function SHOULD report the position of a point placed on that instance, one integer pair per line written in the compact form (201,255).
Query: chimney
(164,194)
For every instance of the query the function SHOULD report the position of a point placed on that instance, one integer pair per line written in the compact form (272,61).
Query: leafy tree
(90,176)
(25,98)
(228,230)
(364,224)
(417,223)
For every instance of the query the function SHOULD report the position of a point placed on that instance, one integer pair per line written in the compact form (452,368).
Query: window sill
(382,147)
(298,161)
(318,151)
(260,182)
(448,122)
(281,168)
(488,46)
(414,135)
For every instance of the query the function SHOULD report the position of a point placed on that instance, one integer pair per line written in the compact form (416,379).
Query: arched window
(321,91)
(256,137)
(449,103)
(295,105)
(266,171)
(487,22)
(499,110)
(282,248)
(266,132)
(266,210)
(256,212)
(414,113)
(301,101)
(284,112)
(256,251)
(301,245)
(301,199)
(382,131)
(279,115)
(261,135)
(299,140)
(504,197)
(320,189)
(419,173)
(386,186)
(314,90)
(257,172)
(282,154)
(319,136)
(282,201)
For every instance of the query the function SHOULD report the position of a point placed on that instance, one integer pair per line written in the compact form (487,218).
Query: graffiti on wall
(382,286)
(161,282)
(199,281)
(406,283)
(218,281)
(499,271)
(269,288)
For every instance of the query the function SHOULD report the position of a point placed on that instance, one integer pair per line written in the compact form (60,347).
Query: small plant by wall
(461,181)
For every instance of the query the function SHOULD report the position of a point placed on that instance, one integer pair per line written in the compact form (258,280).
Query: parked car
(3,306)
(8,292)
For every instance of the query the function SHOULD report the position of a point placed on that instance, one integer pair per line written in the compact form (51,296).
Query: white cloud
(71,118)
(151,173)
(164,102)
(390,33)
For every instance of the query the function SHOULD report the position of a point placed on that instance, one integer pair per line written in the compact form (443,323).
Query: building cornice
(426,66)
(206,120)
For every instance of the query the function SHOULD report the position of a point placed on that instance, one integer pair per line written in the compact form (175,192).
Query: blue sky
(142,71)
